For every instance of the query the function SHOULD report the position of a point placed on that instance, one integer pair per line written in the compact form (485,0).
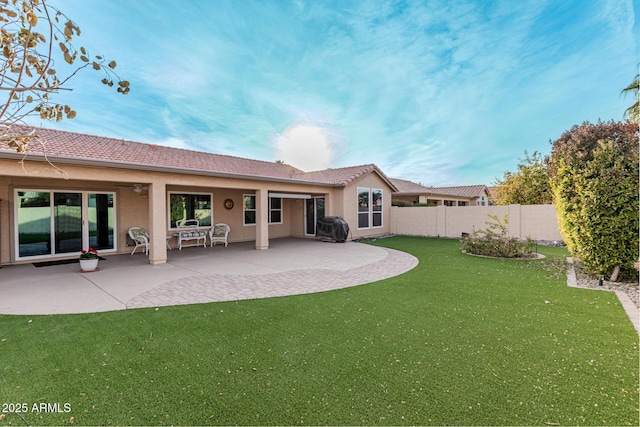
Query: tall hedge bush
(594,178)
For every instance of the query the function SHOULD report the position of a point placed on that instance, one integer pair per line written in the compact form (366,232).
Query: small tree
(594,176)
(35,42)
(528,186)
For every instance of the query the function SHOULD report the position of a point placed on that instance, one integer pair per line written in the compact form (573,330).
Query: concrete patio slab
(198,275)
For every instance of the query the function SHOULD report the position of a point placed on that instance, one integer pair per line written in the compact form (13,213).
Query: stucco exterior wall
(350,206)
(539,222)
(149,208)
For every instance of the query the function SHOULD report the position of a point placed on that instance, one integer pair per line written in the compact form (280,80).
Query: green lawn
(459,340)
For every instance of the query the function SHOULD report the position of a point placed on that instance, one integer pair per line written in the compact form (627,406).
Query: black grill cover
(332,227)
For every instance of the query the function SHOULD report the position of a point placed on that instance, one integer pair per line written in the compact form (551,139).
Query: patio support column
(157,223)
(328,205)
(262,219)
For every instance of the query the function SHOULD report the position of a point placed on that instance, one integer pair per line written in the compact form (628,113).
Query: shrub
(495,242)
(401,203)
(594,176)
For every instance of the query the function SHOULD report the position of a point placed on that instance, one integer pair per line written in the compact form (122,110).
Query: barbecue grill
(332,228)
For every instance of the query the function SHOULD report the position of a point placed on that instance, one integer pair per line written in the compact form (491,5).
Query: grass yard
(459,340)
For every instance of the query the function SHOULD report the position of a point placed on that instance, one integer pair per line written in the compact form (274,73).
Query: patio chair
(188,230)
(218,234)
(140,238)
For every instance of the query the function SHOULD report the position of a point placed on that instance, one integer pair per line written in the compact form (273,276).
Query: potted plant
(89,260)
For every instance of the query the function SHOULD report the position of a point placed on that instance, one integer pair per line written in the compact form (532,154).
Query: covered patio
(292,266)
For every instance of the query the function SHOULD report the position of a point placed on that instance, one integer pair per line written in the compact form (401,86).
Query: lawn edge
(628,306)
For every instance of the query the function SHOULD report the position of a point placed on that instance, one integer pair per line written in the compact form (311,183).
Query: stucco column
(262,219)
(157,223)
(329,205)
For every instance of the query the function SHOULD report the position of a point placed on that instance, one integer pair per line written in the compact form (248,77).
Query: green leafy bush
(495,242)
(594,176)
(401,203)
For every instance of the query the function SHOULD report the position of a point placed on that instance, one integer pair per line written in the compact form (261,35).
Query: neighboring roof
(467,191)
(470,191)
(74,148)
(409,187)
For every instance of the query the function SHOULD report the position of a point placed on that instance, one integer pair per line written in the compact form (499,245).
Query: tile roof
(101,149)
(409,187)
(343,176)
(468,191)
(129,154)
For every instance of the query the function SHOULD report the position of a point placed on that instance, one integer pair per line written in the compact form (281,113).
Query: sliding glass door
(101,221)
(67,222)
(49,223)
(313,211)
(34,218)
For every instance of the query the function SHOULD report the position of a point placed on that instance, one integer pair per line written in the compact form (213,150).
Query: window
(363,207)
(376,212)
(370,207)
(190,206)
(249,209)
(275,210)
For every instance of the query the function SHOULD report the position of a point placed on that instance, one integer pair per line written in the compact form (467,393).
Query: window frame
(245,210)
(271,210)
(188,193)
(373,212)
(363,211)
(86,217)
(377,209)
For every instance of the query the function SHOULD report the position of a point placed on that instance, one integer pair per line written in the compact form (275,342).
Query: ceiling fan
(139,188)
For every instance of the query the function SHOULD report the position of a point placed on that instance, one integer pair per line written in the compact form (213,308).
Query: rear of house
(86,191)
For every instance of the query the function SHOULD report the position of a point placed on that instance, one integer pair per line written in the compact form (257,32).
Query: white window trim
(244,209)
(191,193)
(281,210)
(358,213)
(85,219)
(381,211)
(371,212)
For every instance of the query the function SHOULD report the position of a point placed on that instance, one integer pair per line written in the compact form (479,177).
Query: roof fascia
(80,161)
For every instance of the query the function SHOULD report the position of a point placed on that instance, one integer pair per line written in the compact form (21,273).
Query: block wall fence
(540,222)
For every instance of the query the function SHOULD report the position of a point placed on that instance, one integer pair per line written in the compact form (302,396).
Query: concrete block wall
(539,222)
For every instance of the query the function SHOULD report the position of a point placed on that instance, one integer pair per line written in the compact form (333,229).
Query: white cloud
(439,92)
(307,147)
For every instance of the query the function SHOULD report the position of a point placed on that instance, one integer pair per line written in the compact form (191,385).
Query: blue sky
(441,92)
